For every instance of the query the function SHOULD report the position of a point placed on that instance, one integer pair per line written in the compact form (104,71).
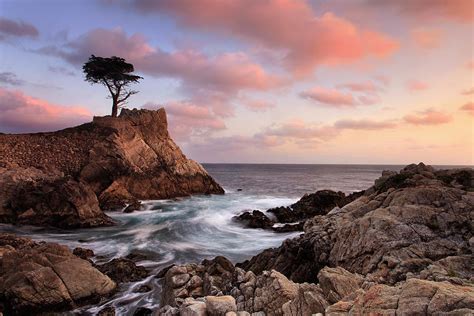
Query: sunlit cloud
(329,97)
(428,117)
(468,107)
(416,85)
(22,113)
(427,38)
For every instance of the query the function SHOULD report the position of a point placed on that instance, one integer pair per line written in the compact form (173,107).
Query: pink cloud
(20,113)
(468,91)
(468,107)
(298,129)
(416,85)
(330,97)
(382,79)
(470,65)
(369,99)
(258,105)
(21,29)
(227,72)
(427,38)
(364,124)
(433,10)
(367,86)
(309,40)
(428,117)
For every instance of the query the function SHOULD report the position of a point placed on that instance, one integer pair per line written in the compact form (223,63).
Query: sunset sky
(274,81)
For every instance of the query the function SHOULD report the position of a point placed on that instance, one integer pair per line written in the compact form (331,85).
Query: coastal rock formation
(401,226)
(67,178)
(292,218)
(41,277)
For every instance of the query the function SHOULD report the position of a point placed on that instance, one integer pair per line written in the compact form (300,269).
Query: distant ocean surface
(198,227)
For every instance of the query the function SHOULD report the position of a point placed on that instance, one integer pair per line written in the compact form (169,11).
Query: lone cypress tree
(114,73)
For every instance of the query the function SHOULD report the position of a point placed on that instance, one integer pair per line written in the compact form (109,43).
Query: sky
(270,81)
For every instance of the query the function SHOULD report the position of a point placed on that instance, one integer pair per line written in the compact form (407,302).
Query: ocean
(194,228)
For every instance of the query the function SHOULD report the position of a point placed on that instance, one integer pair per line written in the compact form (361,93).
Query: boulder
(47,277)
(220,305)
(123,270)
(254,219)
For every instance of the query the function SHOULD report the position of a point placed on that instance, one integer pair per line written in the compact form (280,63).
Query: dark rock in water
(141,255)
(123,270)
(107,311)
(256,219)
(319,203)
(143,289)
(289,228)
(46,277)
(163,271)
(142,311)
(132,207)
(239,190)
(83,253)
(64,203)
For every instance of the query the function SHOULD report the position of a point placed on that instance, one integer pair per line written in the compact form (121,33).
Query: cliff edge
(67,178)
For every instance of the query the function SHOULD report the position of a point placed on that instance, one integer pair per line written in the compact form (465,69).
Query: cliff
(109,162)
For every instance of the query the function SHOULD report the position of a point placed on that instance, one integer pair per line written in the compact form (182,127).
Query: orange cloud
(22,113)
(427,38)
(428,117)
(309,40)
(329,97)
(468,91)
(468,107)
(416,85)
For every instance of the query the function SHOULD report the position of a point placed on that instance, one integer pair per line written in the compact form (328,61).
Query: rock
(318,203)
(142,311)
(256,219)
(123,270)
(220,305)
(289,228)
(193,308)
(337,283)
(47,277)
(399,227)
(64,203)
(67,178)
(132,207)
(143,289)
(83,253)
(107,311)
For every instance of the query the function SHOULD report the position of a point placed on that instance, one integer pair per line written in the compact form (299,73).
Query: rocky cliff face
(405,247)
(108,163)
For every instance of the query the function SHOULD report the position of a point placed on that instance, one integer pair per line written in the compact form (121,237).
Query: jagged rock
(397,228)
(123,270)
(132,207)
(107,311)
(337,283)
(254,219)
(59,175)
(318,203)
(46,277)
(220,305)
(83,253)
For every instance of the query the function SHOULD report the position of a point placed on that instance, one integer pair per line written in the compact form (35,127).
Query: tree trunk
(114,106)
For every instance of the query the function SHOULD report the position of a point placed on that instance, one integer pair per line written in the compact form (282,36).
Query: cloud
(468,91)
(257,105)
(227,72)
(432,10)
(10,78)
(364,124)
(382,79)
(188,119)
(427,38)
(468,107)
(470,65)
(61,70)
(19,29)
(428,117)
(307,40)
(416,85)
(20,113)
(330,97)
(366,86)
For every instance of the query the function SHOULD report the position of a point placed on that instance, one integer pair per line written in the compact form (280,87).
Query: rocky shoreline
(402,247)
(68,178)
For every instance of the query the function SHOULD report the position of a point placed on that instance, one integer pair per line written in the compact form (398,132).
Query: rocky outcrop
(123,270)
(292,218)
(67,178)
(404,224)
(43,277)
